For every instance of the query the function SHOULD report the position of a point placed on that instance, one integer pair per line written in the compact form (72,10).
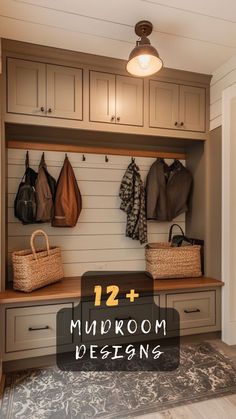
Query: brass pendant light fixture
(144,59)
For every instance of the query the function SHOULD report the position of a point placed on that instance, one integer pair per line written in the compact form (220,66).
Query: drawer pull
(124,318)
(31,329)
(194,310)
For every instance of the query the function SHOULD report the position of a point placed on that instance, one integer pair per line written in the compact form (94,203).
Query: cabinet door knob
(112,118)
(176,123)
(181,124)
(49,110)
(42,109)
(118,118)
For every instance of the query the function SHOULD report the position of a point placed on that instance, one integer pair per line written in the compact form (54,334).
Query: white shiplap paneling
(98,241)
(223,77)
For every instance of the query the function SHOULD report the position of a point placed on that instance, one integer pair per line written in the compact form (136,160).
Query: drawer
(139,312)
(196,309)
(35,327)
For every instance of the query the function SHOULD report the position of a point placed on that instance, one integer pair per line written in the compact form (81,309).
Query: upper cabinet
(85,97)
(115,99)
(102,97)
(35,88)
(164,104)
(129,100)
(26,82)
(64,92)
(176,106)
(192,108)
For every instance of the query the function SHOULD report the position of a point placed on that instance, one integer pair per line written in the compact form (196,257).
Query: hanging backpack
(44,197)
(25,202)
(68,201)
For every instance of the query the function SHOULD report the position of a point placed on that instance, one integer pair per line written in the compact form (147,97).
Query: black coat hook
(83,158)
(106,159)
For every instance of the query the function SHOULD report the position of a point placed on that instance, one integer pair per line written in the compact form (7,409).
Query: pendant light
(144,59)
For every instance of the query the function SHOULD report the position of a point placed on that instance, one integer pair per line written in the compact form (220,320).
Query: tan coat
(44,199)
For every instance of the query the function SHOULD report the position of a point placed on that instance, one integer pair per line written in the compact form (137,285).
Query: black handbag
(178,239)
(182,240)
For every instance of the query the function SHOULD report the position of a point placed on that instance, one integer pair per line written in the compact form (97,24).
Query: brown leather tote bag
(68,201)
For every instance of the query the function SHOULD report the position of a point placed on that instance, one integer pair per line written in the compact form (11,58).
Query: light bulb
(144,61)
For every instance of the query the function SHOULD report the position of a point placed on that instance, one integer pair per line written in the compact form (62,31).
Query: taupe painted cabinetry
(164,104)
(176,106)
(192,108)
(99,95)
(36,88)
(115,99)
(26,89)
(31,327)
(64,92)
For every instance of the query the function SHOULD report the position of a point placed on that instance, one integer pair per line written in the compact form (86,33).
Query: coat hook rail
(71,148)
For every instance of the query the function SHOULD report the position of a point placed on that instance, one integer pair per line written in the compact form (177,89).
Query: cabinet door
(164,105)
(64,92)
(129,100)
(26,87)
(192,108)
(102,97)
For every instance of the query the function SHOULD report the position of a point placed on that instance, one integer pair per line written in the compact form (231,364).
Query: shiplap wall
(98,241)
(223,77)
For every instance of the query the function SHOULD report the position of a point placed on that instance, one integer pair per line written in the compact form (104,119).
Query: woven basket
(33,270)
(164,261)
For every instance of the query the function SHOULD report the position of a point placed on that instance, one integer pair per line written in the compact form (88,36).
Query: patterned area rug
(51,393)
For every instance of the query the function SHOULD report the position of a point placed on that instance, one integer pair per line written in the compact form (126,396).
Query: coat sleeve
(152,192)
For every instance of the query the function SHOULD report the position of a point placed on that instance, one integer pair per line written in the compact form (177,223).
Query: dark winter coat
(168,190)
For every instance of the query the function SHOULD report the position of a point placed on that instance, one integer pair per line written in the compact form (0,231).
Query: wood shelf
(72,148)
(71,288)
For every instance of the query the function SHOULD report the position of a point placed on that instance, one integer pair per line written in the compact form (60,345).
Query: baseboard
(2,384)
(27,363)
(201,337)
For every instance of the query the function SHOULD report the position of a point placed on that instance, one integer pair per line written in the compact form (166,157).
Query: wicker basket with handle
(34,269)
(164,261)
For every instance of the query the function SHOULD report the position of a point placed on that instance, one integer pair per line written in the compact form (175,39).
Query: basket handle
(34,234)
(171,229)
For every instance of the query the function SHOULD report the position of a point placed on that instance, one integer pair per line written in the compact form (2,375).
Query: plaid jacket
(132,196)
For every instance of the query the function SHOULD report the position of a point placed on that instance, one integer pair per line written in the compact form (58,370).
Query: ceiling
(189,35)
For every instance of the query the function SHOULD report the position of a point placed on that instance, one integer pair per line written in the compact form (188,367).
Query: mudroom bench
(30,318)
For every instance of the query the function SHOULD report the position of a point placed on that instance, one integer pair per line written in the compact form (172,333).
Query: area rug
(203,373)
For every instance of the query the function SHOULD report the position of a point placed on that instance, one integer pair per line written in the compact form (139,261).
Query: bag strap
(36,233)
(171,230)
(27,160)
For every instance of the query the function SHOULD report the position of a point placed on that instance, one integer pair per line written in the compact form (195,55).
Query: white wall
(98,241)
(228,216)
(223,77)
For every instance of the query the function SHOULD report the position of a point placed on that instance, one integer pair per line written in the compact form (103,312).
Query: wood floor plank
(232,399)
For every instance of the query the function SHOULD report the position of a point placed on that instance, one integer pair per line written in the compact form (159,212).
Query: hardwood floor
(220,408)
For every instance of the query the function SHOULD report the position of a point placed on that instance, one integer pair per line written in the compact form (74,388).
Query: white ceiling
(189,34)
